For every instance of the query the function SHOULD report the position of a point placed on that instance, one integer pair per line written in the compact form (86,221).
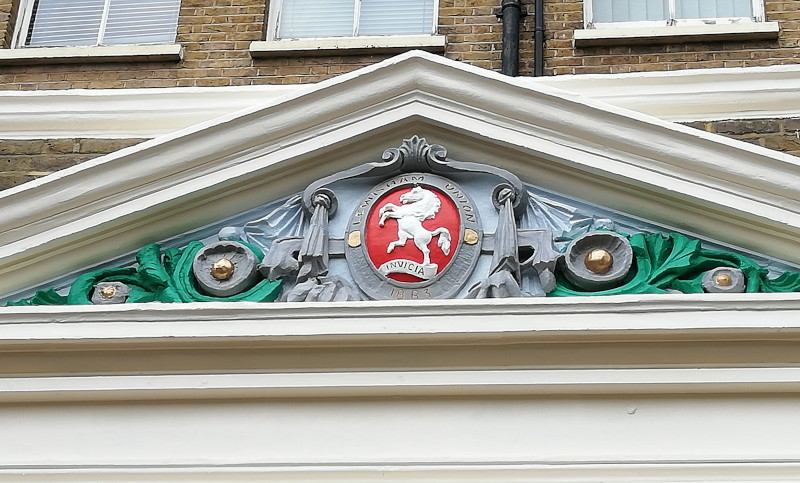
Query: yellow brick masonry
(6,7)
(216,35)
(24,160)
(563,17)
(778,134)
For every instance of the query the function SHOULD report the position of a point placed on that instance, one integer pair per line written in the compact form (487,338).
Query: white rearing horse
(418,205)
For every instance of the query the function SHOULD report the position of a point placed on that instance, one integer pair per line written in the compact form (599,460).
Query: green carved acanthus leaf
(661,264)
(676,263)
(157,278)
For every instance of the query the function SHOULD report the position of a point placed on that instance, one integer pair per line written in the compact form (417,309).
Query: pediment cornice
(694,181)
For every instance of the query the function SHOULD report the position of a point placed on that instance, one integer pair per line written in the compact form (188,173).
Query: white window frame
(22,28)
(275,10)
(588,15)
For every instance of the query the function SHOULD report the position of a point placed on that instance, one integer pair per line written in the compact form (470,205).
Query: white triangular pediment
(700,183)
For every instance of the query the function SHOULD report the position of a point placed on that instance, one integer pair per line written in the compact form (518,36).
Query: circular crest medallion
(415,236)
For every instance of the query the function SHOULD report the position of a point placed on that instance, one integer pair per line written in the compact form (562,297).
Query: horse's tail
(444,239)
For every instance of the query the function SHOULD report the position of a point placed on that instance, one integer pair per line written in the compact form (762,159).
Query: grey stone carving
(313,254)
(281,261)
(287,220)
(110,293)
(598,260)
(724,280)
(305,258)
(302,250)
(225,268)
(505,276)
(543,259)
(330,288)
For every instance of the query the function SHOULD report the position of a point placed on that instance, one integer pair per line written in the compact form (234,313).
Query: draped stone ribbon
(313,254)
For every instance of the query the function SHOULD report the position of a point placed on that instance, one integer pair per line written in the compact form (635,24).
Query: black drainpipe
(538,39)
(511,12)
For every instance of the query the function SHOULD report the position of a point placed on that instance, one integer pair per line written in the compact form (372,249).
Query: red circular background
(377,238)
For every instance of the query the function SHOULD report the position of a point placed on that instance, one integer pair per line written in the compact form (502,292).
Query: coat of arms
(411,231)
(418,205)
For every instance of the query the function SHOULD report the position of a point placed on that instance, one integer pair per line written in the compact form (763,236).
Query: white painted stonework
(658,388)
(679,96)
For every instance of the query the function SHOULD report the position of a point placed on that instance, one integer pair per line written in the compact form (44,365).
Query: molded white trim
(389,44)
(444,472)
(681,96)
(676,33)
(762,316)
(123,113)
(694,94)
(572,418)
(92,54)
(453,383)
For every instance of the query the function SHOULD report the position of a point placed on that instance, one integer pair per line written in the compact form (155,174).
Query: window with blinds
(101,22)
(672,11)
(352,18)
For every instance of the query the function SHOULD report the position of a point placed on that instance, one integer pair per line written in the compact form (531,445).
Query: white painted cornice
(670,318)
(576,345)
(692,387)
(698,182)
(695,94)
(122,113)
(679,96)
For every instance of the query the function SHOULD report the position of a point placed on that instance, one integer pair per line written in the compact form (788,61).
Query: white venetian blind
(630,10)
(713,8)
(394,17)
(316,18)
(337,18)
(66,22)
(141,21)
(92,22)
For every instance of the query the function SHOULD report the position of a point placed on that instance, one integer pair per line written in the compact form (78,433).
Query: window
(294,19)
(48,23)
(617,13)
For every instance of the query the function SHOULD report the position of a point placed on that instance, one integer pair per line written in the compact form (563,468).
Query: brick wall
(22,161)
(565,16)
(779,134)
(216,35)
(6,28)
